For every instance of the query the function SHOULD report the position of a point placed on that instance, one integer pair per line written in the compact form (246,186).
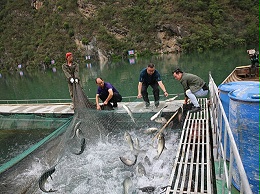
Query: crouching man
(193,87)
(107,93)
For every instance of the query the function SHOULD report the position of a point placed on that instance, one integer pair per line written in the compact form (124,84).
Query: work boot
(115,104)
(147,104)
(156,103)
(195,109)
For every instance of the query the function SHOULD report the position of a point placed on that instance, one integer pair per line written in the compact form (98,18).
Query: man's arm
(66,73)
(139,88)
(163,88)
(110,95)
(76,73)
(97,102)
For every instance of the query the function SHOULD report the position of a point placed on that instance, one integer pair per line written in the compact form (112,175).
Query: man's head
(150,69)
(69,56)
(100,82)
(177,74)
(251,52)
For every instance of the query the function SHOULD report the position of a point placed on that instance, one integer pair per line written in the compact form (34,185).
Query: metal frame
(192,170)
(224,170)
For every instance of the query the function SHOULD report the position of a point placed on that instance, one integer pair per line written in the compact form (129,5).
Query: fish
(137,144)
(129,112)
(158,113)
(128,162)
(78,133)
(140,169)
(127,183)
(161,144)
(172,99)
(82,147)
(129,140)
(161,120)
(147,160)
(150,130)
(147,189)
(43,179)
(75,129)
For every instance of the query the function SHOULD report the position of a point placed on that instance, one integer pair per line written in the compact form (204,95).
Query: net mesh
(87,155)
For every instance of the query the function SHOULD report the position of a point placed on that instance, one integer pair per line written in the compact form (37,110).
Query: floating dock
(64,108)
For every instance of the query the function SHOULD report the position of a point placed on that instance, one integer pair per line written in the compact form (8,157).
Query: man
(107,93)
(193,87)
(71,71)
(150,76)
(253,56)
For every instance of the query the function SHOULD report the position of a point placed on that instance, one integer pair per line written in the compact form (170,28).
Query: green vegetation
(34,37)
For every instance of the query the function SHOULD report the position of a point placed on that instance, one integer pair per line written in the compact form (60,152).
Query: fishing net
(87,154)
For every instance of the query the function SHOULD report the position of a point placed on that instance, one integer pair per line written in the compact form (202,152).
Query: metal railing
(40,101)
(225,169)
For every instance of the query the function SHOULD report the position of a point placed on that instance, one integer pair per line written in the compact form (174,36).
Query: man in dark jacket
(193,87)
(150,76)
(71,71)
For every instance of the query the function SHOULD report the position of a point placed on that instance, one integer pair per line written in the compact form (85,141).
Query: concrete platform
(64,108)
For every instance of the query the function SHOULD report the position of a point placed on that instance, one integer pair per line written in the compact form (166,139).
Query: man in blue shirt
(150,76)
(107,93)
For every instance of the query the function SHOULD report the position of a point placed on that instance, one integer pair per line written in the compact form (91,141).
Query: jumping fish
(127,184)
(147,160)
(161,120)
(75,129)
(78,133)
(44,178)
(129,112)
(129,140)
(161,144)
(127,161)
(150,130)
(140,169)
(82,147)
(147,189)
(171,99)
(158,113)
(137,144)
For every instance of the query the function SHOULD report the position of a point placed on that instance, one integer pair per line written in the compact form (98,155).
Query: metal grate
(192,169)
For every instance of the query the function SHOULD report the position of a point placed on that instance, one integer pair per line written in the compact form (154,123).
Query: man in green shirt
(193,87)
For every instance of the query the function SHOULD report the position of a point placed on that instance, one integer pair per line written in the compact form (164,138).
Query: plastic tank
(224,90)
(244,123)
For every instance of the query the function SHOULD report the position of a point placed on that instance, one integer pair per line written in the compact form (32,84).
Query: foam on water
(99,170)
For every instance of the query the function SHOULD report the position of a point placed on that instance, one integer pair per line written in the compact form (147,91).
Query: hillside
(34,32)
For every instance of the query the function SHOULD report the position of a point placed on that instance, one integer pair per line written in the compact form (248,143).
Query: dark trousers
(116,98)
(156,91)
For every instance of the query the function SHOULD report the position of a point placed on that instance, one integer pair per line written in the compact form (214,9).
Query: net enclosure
(99,152)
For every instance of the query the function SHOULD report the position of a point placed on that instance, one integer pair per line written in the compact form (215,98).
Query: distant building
(131,52)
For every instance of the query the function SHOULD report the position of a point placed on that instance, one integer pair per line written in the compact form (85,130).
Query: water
(50,84)
(99,169)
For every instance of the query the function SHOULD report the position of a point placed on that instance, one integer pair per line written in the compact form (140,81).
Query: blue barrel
(244,123)
(224,89)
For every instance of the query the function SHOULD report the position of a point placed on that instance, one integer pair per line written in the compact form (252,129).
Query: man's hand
(139,96)
(76,80)
(71,80)
(166,94)
(98,107)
